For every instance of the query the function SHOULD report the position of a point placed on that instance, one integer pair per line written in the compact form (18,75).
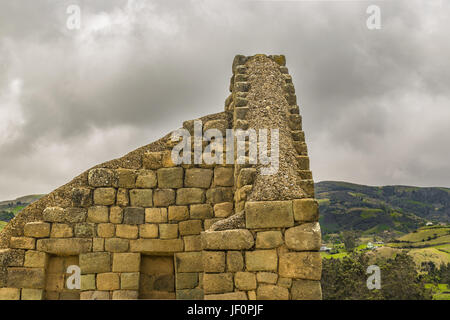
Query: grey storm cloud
(375,103)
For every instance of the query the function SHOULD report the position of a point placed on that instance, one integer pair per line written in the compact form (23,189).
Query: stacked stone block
(276,255)
(144,231)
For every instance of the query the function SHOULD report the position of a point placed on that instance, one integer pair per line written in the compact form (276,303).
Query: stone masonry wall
(275,254)
(141,227)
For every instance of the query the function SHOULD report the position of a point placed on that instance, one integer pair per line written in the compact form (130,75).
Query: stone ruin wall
(136,225)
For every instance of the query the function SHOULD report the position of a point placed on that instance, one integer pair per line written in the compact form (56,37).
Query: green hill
(372,210)
(9,208)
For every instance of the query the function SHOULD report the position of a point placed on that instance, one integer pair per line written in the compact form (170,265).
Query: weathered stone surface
(178,213)
(9,294)
(116,245)
(272,292)
(22,243)
(148,231)
(133,215)
(101,177)
(219,124)
(167,161)
(237,239)
(115,215)
(168,231)
(141,197)
(223,177)
(223,210)
(209,222)
(61,230)
(190,294)
(301,149)
(305,237)
(127,231)
(81,197)
(238,295)
(98,244)
(126,262)
(53,214)
(85,230)
(269,214)
(306,210)
(146,179)
(88,282)
(64,247)
(155,215)
(189,262)
(125,178)
(190,227)
(213,261)
(108,281)
(303,162)
(35,259)
(301,265)
(33,278)
(198,178)
(267,277)
(129,281)
(94,295)
(219,195)
(246,177)
(122,199)
(261,260)
(75,215)
(104,196)
(201,211)
(284,282)
(95,262)
(240,113)
(37,229)
(163,197)
(235,261)
(307,186)
(156,245)
(11,258)
(170,178)
(306,290)
(125,295)
(152,160)
(243,192)
(186,280)
(217,282)
(98,214)
(269,239)
(279,59)
(106,230)
(190,196)
(245,281)
(192,243)
(32,294)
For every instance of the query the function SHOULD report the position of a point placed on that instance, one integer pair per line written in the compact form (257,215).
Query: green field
(440,291)
(423,234)
(2,225)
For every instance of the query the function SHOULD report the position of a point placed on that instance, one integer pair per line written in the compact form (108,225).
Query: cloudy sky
(375,103)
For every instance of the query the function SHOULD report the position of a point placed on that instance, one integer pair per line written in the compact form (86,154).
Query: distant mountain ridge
(349,206)
(9,208)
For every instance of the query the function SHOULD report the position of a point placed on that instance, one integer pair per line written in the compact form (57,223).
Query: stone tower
(144,227)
